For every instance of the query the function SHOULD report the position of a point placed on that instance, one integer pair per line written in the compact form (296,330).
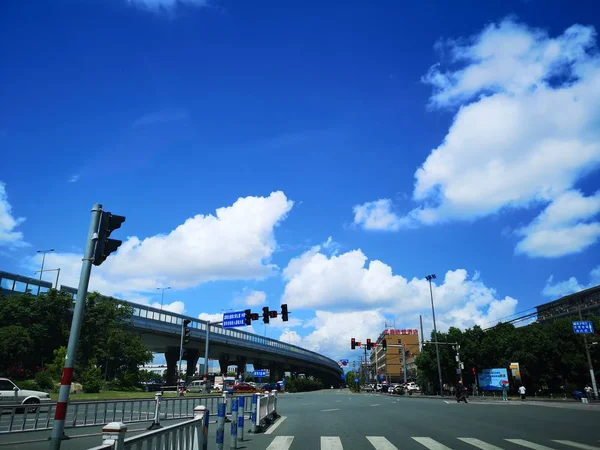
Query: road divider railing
(264,410)
(189,435)
(24,418)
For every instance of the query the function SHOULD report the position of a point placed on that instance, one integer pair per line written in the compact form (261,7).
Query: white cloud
(255,298)
(290,337)
(8,236)
(570,286)
(197,251)
(217,317)
(377,215)
(74,178)
(176,306)
(166,5)
(347,283)
(525,132)
(561,228)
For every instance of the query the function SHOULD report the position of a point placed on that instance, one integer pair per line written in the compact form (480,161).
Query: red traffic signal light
(473,370)
(352,343)
(254,316)
(273,314)
(368,344)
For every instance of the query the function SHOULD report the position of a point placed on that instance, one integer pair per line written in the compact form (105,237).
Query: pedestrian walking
(461,393)
(504,392)
(522,391)
(588,392)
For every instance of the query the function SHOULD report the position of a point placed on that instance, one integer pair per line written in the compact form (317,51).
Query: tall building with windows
(389,363)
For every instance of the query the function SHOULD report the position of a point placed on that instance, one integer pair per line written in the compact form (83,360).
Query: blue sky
(324,154)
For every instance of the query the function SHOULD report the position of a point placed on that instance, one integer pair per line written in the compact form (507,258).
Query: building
(587,300)
(389,363)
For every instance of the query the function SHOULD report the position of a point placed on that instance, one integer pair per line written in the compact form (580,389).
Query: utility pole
(437,350)
(404,362)
(589,359)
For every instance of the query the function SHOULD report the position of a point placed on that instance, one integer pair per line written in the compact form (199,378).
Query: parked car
(398,390)
(10,393)
(271,387)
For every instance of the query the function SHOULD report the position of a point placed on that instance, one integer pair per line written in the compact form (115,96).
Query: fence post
(156,423)
(275,415)
(254,409)
(220,425)
(114,433)
(201,431)
(234,416)
(240,424)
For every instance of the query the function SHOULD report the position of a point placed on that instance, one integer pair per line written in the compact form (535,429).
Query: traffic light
(352,343)
(248,317)
(266,314)
(284,312)
(384,345)
(273,314)
(186,331)
(473,370)
(368,344)
(105,246)
(254,316)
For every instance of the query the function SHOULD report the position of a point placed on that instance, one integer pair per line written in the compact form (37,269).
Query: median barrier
(188,435)
(264,410)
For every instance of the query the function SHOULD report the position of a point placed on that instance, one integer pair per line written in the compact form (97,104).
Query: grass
(115,395)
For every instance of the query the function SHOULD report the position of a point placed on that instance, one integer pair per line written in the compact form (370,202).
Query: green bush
(30,385)
(44,380)
(303,385)
(92,380)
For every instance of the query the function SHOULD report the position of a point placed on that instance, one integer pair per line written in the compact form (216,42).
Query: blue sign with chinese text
(260,373)
(583,327)
(491,379)
(234,319)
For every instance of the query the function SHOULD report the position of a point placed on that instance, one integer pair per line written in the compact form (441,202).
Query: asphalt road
(334,420)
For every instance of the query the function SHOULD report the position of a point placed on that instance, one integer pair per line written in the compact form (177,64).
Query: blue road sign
(356,380)
(260,373)
(343,377)
(234,319)
(583,327)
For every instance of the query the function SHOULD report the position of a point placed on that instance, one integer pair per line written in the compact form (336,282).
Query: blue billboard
(492,379)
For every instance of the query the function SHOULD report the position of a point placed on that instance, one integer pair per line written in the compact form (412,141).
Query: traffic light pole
(589,360)
(208,324)
(58,427)
(180,357)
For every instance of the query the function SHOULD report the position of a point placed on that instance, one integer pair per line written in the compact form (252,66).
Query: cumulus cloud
(525,131)
(348,285)
(165,5)
(8,223)
(74,178)
(377,215)
(255,298)
(561,288)
(197,251)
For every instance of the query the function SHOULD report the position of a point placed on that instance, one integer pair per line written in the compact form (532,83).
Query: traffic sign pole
(589,360)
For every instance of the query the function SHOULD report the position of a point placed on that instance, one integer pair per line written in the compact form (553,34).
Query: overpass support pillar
(274,372)
(241,365)
(223,364)
(192,358)
(171,356)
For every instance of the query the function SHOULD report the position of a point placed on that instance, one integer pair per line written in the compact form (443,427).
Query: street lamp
(162,297)
(43,260)
(437,349)
(51,270)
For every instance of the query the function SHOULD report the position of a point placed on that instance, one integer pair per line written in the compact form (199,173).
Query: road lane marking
(274,427)
(381,443)
(306,404)
(331,443)
(376,404)
(446,402)
(577,445)
(480,444)
(431,444)
(528,444)
(281,443)
(333,409)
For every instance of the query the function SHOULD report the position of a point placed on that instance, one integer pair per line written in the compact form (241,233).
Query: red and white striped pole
(60,415)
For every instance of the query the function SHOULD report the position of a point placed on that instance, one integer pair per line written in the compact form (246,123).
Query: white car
(11,394)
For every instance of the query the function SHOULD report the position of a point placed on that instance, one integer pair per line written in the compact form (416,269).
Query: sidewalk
(491,398)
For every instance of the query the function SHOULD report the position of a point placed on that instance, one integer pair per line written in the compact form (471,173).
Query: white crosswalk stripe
(431,444)
(531,445)
(577,445)
(331,443)
(479,444)
(281,443)
(381,443)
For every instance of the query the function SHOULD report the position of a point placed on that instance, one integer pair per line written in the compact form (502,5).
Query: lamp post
(437,349)
(162,296)
(43,260)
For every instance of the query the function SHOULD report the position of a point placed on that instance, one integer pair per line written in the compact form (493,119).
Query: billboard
(515,371)
(491,379)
